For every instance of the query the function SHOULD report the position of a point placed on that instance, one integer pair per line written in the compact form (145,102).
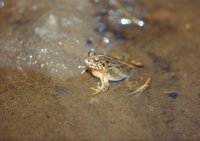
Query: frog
(109,69)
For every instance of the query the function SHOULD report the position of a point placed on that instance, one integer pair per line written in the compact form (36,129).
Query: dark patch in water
(60,89)
(47,116)
(89,41)
(20,22)
(173,95)
(168,121)
(160,63)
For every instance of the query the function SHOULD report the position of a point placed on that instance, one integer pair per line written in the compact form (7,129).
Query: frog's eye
(91,53)
(96,58)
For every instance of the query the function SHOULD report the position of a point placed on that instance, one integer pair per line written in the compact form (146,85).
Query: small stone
(173,95)
(89,40)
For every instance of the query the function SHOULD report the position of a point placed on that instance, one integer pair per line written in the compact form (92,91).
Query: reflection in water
(46,43)
(115,16)
(126,17)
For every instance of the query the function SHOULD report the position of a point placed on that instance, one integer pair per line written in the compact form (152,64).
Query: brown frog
(107,68)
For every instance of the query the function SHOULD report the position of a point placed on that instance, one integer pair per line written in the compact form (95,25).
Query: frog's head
(93,61)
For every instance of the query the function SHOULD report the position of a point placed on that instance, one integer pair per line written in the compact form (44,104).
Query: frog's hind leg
(137,63)
(142,88)
(104,86)
(129,77)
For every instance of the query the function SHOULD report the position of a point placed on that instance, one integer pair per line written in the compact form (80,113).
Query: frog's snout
(87,62)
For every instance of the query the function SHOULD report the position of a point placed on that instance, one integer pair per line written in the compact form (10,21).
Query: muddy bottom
(37,104)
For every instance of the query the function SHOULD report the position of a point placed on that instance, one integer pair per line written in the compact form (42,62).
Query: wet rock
(49,39)
(89,41)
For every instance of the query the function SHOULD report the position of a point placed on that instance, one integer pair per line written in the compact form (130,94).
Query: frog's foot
(97,90)
(81,67)
(84,69)
(101,88)
(142,88)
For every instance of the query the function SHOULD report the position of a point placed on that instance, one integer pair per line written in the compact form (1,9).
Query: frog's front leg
(104,85)
(84,69)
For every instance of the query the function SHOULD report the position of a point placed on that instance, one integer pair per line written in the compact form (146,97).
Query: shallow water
(43,96)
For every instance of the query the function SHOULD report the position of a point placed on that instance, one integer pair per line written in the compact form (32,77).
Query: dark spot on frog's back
(114,62)
(103,64)
(106,61)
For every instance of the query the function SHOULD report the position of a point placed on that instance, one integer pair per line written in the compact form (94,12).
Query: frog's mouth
(87,63)
(90,64)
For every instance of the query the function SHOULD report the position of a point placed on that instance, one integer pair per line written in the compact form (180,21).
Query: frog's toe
(96,91)
(137,91)
(98,86)
(142,88)
(82,67)
(83,71)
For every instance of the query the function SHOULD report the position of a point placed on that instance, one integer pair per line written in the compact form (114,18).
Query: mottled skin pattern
(107,69)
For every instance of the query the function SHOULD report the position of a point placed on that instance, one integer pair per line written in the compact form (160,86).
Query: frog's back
(116,70)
